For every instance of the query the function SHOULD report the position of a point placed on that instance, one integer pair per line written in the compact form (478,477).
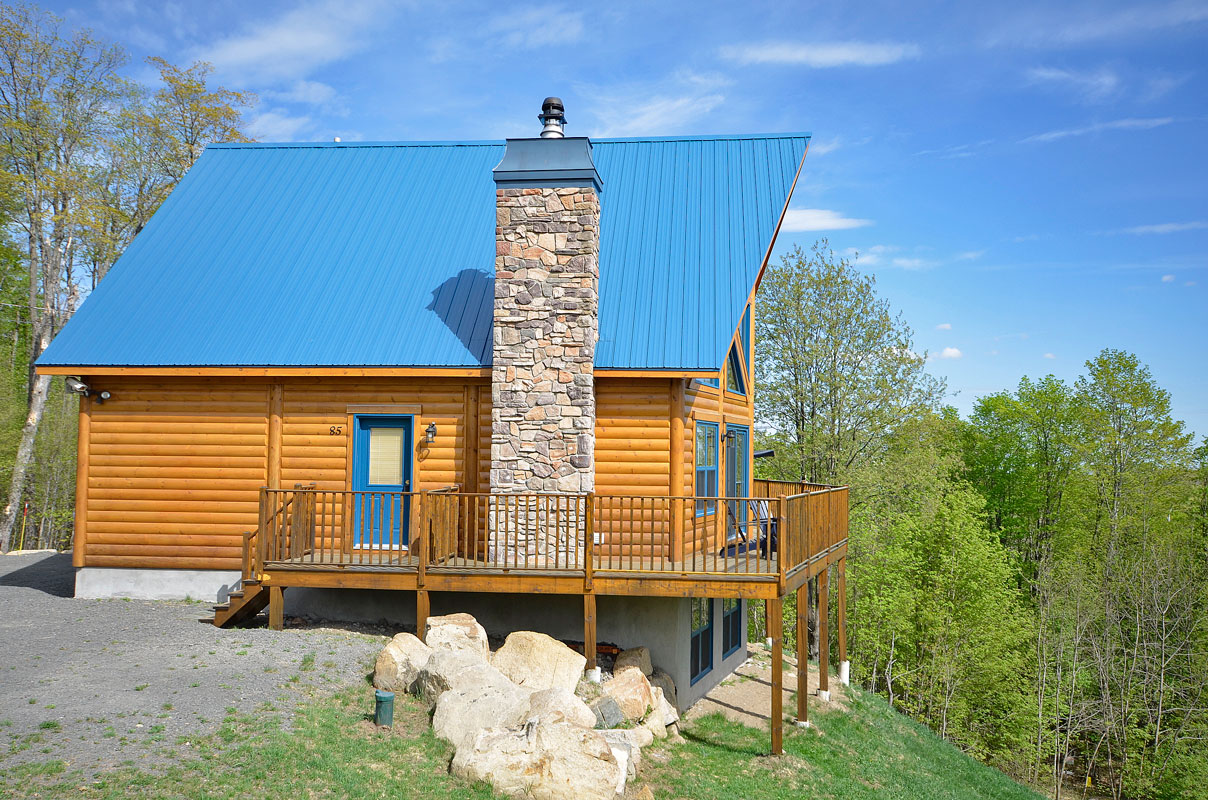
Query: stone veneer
(543,409)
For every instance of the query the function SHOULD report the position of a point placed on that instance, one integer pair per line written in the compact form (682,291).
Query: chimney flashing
(551,162)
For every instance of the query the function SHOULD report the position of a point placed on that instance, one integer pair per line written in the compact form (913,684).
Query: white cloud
(820,148)
(821,54)
(820,219)
(276,125)
(545,26)
(1087,23)
(969,255)
(944,326)
(1049,356)
(1167,279)
(312,92)
(950,352)
(1092,87)
(966,150)
(909,263)
(297,42)
(1127,124)
(668,105)
(1167,227)
(869,256)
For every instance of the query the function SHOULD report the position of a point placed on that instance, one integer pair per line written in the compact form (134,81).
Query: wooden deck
(755,548)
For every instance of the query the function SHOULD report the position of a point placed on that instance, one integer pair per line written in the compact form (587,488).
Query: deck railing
(764,535)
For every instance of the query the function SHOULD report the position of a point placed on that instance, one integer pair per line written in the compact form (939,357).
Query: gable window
(731,626)
(744,331)
(734,381)
(701,644)
(706,467)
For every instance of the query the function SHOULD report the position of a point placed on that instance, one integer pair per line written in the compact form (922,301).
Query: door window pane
(386,456)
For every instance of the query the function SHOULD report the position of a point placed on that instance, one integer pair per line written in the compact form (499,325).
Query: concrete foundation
(662,624)
(209,585)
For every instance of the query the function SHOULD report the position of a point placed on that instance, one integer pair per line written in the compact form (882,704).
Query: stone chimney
(547,247)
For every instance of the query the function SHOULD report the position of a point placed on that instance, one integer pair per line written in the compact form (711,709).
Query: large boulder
(558,704)
(399,663)
(663,709)
(458,632)
(664,681)
(541,760)
(450,669)
(536,661)
(492,702)
(631,691)
(635,658)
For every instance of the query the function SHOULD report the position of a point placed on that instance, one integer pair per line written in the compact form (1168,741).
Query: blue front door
(381,477)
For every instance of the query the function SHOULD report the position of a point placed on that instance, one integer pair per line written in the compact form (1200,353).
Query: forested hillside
(1030,582)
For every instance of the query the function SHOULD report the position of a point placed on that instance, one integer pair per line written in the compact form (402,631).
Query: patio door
(738,459)
(381,474)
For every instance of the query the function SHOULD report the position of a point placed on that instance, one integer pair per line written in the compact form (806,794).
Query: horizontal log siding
(174,471)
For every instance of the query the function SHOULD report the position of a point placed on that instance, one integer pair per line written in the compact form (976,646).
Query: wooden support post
(676,482)
(823,633)
(276,608)
(589,630)
(775,625)
(421,613)
(80,541)
(841,617)
(803,656)
(276,406)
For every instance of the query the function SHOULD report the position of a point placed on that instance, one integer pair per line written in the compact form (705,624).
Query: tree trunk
(25,453)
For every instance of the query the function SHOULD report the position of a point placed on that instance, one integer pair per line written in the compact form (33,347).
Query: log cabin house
(392,379)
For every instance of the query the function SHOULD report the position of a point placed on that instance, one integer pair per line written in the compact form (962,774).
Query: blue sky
(1027,181)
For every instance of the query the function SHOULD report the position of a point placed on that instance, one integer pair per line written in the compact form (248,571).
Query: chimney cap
(553,118)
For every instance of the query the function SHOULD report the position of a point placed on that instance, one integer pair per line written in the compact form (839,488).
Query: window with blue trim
(734,381)
(701,644)
(731,626)
(706,467)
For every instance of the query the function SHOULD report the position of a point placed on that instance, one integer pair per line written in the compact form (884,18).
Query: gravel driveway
(102,683)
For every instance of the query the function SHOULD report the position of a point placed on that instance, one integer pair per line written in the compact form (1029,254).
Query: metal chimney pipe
(553,118)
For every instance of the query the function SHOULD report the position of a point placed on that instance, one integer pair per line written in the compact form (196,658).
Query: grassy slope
(869,752)
(332,751)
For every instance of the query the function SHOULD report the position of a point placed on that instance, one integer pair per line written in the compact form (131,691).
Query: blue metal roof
(383,254)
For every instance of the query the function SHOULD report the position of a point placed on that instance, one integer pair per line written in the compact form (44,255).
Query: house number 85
(336,430)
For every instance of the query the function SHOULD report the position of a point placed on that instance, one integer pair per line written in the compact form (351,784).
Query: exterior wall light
(430,433)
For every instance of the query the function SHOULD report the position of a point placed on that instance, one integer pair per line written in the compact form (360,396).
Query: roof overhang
(340,372)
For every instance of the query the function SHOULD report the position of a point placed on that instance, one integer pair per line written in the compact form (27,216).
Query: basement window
(731,626)
(701,644)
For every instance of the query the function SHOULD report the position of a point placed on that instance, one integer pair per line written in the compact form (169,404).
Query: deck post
(841,622)
(824,633)
(782,531)
(775,626)
(676,472)
(803,657)
(276,608)
(422,608)
(589,631)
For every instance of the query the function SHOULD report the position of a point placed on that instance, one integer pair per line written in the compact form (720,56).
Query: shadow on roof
(465,303)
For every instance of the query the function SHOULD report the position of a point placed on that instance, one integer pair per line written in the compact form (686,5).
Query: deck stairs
(241,605)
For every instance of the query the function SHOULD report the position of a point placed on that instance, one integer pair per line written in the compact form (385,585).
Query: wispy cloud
(550,25)
(671,105)
(910,263)
(1089,23)
(1049,355)
(820,219)
(944,326)
(1167,279)
(950,353)
(278,125)
(969,255)
(1166,227)
(957,150)
(297,42)
(820,54)
(1127,124)
(1091,86)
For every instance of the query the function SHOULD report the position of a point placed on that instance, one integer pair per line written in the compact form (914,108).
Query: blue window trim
(701,643)
(734,367)
(744,489)
(706,507)
(726,627)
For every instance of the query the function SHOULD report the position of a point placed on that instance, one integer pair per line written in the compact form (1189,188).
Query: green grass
(869,752)
(333,750)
